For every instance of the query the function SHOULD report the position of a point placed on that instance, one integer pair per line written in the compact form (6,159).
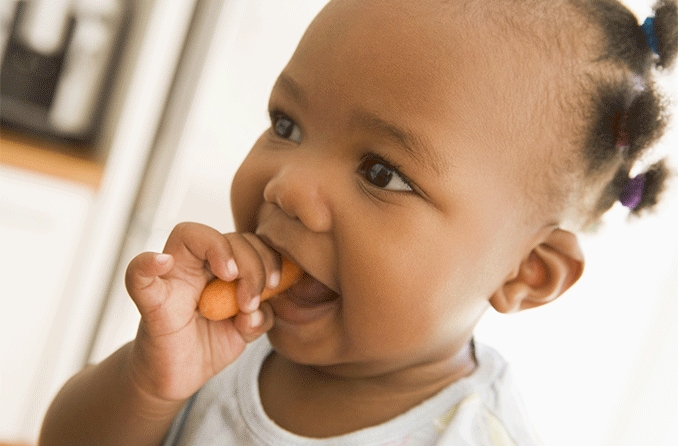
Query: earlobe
(548,271)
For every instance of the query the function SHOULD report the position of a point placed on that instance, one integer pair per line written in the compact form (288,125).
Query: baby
(426,160)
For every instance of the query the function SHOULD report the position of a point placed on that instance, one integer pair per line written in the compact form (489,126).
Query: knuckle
(181,228)
(184,228)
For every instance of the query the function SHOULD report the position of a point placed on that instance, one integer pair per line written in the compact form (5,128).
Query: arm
(132,397)
(101,405)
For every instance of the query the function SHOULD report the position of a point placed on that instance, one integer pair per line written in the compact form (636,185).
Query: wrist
(151,399)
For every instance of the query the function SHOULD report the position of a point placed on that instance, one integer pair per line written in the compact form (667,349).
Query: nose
(300,189)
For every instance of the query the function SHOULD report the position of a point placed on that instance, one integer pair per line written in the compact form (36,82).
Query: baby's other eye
(382,174)
(285,127)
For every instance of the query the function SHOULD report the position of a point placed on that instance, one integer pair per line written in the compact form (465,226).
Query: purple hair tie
(632,193)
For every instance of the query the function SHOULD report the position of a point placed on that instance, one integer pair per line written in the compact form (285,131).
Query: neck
(318,402)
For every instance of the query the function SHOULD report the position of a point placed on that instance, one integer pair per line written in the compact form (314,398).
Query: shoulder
(492,412)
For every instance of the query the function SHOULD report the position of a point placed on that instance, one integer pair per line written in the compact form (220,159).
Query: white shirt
(482,409)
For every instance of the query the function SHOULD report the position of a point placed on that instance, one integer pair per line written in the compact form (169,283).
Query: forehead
(396,47)
(390,59)
(451,79)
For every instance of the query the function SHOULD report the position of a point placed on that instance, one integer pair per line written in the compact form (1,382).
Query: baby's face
(386,176)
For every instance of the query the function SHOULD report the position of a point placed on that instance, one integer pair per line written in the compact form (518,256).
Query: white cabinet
(41,220)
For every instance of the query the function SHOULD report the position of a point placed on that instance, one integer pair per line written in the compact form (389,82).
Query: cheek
(247,192)
(407,285)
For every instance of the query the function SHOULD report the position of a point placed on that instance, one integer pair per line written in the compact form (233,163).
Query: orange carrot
(218,299)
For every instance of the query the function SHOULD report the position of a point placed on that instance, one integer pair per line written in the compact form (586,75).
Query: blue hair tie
(650,35)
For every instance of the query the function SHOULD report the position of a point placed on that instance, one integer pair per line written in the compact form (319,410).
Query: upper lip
(280,250)
(283,252)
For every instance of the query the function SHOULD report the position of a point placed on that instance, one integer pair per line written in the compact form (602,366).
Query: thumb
(142,279)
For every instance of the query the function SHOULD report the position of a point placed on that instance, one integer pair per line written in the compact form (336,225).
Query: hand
(176,349)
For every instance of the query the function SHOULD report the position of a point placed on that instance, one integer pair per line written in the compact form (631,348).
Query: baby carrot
(218,299)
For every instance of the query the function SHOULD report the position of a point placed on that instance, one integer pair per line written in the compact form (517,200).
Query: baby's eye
(382,174)
(284,127)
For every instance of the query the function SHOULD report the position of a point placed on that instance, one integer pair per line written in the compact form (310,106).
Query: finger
(193,245)
(260,269)
(144,269)
(142,277)
(251,272)
(269,317)
(270,258)
(252,325)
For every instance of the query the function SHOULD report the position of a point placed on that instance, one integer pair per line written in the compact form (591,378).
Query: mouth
(310,292)
(305,301)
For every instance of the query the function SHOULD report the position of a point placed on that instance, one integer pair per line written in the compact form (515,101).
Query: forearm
(101,405)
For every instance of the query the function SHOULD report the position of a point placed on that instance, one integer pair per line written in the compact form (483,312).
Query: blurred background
(121,118)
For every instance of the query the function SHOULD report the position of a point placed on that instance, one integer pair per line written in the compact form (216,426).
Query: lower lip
(296,312)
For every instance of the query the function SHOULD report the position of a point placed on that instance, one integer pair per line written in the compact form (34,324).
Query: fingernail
(254,303)
(163,259)
(232,268)
(256,319)
(273,280)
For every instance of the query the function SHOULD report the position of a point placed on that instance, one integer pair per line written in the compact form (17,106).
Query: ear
(549,270)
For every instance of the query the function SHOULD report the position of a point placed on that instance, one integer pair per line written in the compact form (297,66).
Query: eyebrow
(291,87)
(416,147)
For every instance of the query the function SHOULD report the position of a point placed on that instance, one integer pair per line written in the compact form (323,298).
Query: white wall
(598,366)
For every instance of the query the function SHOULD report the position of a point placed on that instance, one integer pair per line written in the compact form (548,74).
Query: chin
(312,351)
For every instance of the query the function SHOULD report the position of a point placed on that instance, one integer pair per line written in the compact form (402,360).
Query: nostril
(300,198)
(273,194)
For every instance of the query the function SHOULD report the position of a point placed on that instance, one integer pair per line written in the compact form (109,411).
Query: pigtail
(666,31)
(644,122)
(629,115)
(647,117)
